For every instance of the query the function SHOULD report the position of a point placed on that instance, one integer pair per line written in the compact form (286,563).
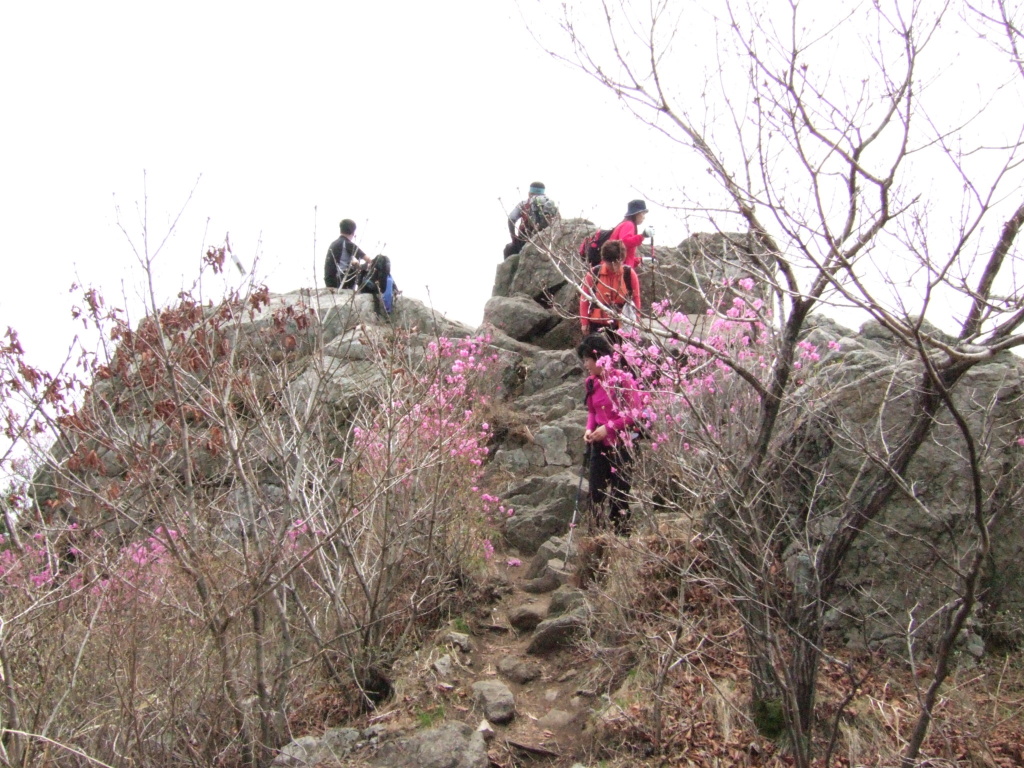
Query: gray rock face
(283,340)
(565,599)
(547,582)
(496,701)
(525,618)
(521,671)
(308,751)
(518,316)
(532,275)
(857,370)
(554,444)
(544,507)
(532,278)
(557,632)
(557,547)
(896,567)
(549,369)
(452,745)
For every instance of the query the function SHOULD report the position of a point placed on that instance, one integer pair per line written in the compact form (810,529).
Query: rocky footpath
(516,673)
(517,669)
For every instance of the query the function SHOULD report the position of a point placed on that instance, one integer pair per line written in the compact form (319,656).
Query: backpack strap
(594,274)
(627,281)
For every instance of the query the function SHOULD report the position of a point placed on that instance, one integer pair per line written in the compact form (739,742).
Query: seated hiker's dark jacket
(340,255)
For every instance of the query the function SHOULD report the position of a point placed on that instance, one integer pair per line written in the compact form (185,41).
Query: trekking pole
(654,281)
(576,506)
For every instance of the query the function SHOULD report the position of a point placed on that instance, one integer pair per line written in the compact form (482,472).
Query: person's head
(348,227)
(612,253)
(593,348)
(537,188)
(636,211)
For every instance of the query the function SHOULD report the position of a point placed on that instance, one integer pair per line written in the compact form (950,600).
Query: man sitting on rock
(345,260)
(530,216)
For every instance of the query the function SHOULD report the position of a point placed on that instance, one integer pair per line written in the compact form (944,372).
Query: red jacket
(626,232)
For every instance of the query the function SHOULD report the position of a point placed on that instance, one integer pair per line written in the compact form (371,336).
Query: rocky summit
(323,348)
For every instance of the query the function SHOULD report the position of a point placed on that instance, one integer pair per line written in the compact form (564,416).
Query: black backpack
(590,248)
(377,275)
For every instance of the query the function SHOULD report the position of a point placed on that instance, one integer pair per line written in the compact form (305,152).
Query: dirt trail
(553,707)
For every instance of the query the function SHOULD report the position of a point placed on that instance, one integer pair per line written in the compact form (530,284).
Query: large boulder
(543,507)
(310,751)
(452,745)
(908,561)
(519,317)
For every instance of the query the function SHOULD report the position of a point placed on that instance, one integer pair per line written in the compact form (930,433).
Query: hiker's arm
(330,271)
(591,419)
(513,218)
(630,237)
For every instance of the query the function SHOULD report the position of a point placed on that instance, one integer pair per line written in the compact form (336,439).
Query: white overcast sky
(424,122)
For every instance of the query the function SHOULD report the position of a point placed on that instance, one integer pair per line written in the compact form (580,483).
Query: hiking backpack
(540,212)
(590,248)
(378,282)
(379,271)
(607,295)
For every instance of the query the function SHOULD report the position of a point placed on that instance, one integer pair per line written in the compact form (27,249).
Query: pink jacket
(626,232)
(606,409)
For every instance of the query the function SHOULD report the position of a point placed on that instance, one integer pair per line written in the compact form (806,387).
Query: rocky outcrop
(902,563)
(272,354)
(544,507)
(904,566)
(535,299)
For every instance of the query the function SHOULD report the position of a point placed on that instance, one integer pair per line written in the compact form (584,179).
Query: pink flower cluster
(679,392)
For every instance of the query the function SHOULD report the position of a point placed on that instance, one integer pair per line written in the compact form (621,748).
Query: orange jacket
(613,289)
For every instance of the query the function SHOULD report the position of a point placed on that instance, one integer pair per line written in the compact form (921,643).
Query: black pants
(610,479)
(514,247)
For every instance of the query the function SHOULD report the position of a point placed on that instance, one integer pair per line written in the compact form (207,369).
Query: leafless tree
(229,512)
(874,171)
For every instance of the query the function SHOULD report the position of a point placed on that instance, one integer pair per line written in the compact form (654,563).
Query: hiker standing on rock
(611,284)
(530,216)
(610,397)
(628,231)
(345,260)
